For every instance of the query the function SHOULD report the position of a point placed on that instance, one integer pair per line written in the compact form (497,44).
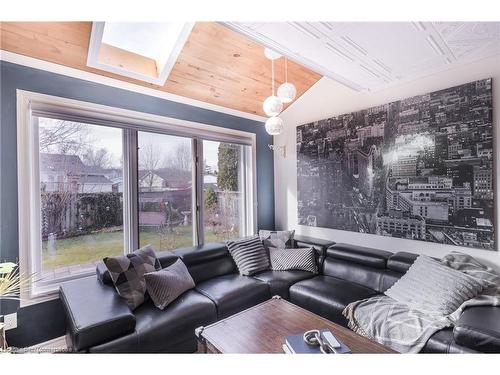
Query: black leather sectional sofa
(99,321)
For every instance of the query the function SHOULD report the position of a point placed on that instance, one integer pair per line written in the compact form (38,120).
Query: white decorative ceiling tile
(375,55)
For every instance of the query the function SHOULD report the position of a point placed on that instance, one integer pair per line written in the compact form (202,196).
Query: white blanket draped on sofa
(405,329)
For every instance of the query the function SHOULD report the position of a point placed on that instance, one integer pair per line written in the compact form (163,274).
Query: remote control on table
(327,335)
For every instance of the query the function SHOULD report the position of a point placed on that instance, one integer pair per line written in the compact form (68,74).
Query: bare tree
(65,138)
(97,158)
(61,136)
(181,158)
(149,161)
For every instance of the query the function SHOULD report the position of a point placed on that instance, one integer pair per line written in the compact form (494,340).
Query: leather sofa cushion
(95,312)
(205,262)
(442,342)
(159,331)
(125,344)
(401,261)
(165,331)
(358,254)
(234,293)
(328,296)
(318,244)
(360,274)
(388,279)
(479,328)
(166,258)
(304,241)
(280,281)
(202,253)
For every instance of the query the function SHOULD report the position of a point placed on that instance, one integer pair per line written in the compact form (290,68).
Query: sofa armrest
(95,313)
(479,328)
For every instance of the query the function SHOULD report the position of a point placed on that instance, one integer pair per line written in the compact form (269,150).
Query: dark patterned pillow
(249,255)
(165,285)
(293,259)
(280,239)
(127,273)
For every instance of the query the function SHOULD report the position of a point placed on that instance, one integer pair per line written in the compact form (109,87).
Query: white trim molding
(112,82)
(96,36)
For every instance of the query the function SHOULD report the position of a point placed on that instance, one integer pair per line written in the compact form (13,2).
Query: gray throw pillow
(249,255)
(165,285)
(280,239)
(293,259)
(435,288)
(127,273)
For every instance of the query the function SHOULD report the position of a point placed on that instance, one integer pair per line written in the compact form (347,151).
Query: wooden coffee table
(264,327)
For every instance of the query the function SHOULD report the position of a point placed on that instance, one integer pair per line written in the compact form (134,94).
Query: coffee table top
(263,329)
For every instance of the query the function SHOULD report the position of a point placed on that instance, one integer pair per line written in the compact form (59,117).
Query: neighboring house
(163,187)
(164,179)
(67,173)
(151,181)
(95,184)
(210,181)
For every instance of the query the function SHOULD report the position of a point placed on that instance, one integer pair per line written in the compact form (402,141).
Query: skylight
(145,51)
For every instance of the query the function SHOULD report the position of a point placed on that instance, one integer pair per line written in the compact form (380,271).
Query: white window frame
(95,42)
(28,172)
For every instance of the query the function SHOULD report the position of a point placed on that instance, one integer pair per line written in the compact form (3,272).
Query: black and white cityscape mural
(420,168)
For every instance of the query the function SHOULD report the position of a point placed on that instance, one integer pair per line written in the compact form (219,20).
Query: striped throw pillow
(293,259)
(249,255)
(165,285)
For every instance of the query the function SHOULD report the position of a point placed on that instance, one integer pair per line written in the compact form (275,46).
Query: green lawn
(93,247)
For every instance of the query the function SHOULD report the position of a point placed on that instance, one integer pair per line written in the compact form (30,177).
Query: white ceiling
(371,56)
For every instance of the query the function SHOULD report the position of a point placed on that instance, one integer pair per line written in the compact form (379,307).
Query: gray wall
(12,77)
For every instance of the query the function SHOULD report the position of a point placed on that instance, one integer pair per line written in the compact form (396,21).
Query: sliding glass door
(165,191)
(225,186)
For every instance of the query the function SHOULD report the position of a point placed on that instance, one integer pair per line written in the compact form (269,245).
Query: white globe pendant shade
(287,92)
(274,125)
(272,106)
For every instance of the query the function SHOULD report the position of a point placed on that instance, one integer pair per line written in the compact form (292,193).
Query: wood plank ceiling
(216,65)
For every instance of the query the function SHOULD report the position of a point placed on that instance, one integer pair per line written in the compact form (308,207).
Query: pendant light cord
(286,70)
(272,75)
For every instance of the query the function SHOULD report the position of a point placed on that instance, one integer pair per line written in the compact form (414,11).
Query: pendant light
(272,105)
(274,125)
(287,91)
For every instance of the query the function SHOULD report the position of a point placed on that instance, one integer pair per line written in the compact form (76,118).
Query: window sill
(47,290)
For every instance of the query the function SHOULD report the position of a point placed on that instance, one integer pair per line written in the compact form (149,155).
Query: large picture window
(97,182)
(81,203)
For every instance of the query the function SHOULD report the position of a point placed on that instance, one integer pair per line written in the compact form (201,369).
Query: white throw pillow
(435,288)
